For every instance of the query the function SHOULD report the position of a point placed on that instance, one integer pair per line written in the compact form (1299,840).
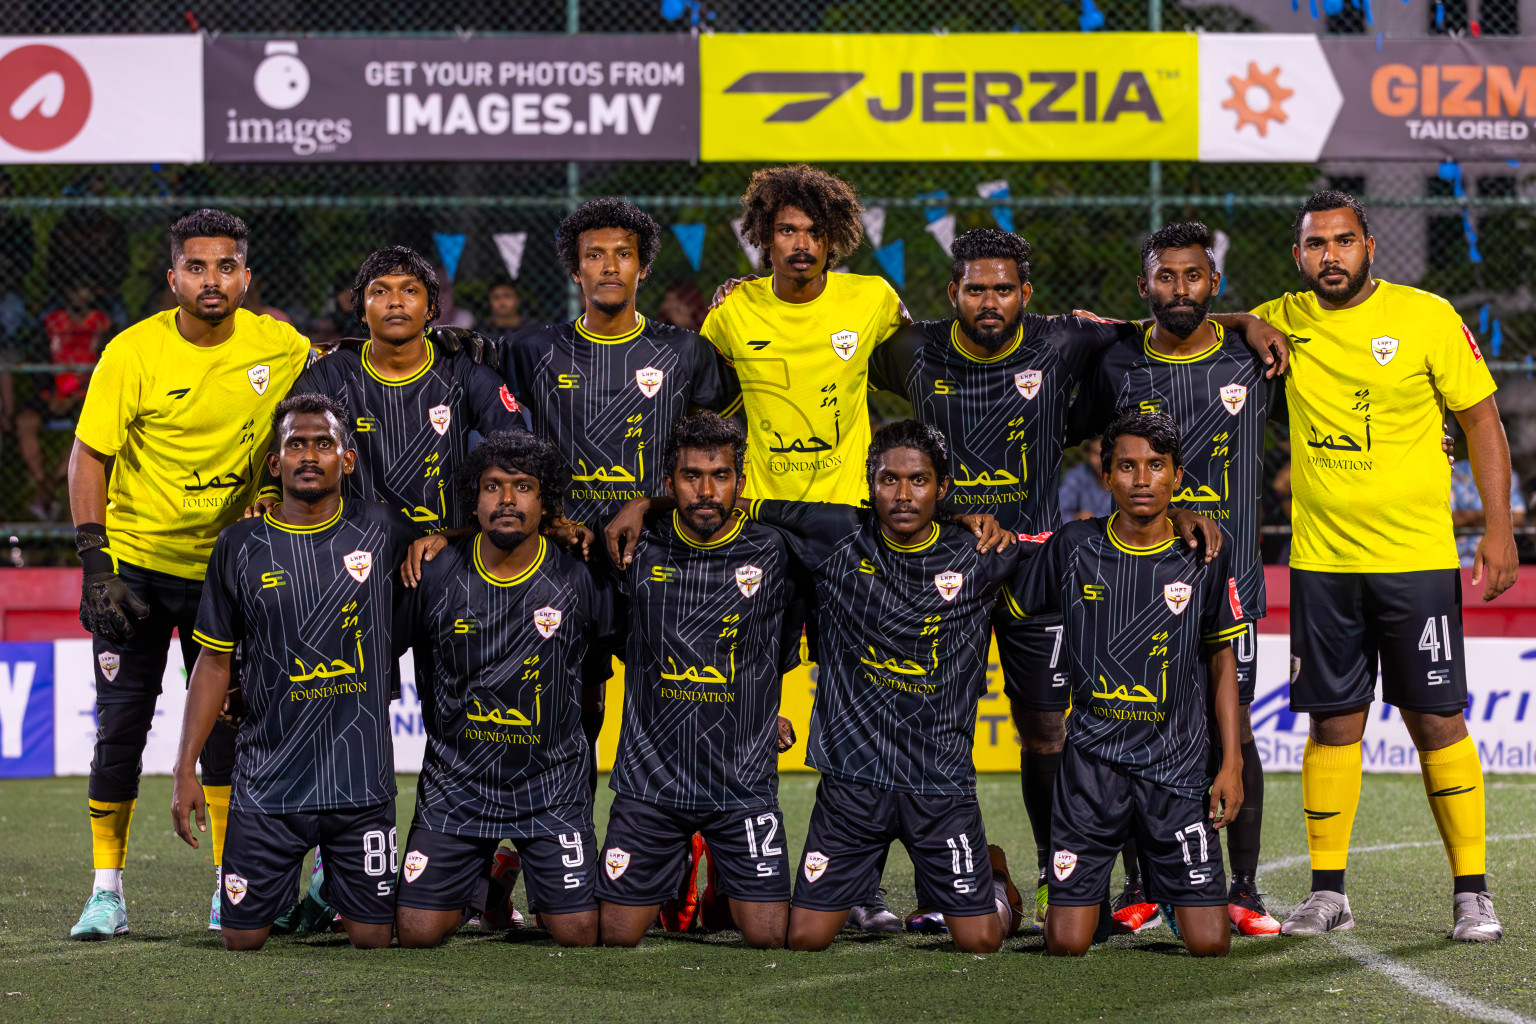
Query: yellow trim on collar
(605,339)
(954,339)
(1146,346)
(286,528)
(1109,528)
(522,577)
(922,545)
(738,522)
(396,382)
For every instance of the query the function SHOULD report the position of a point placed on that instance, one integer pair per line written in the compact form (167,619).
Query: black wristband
(91,544)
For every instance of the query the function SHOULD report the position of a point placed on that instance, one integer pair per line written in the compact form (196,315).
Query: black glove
(461,339)
(107,607)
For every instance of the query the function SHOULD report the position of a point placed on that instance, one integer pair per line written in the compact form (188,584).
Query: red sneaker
(1132,912)
(1246,909)
(679,915)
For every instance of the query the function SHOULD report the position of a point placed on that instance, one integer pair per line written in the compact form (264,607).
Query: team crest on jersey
(546,620)
(1237,606)
(1177,596)
(748,579)
(1028,382)
(235,888)
(440,416)
(1384,348)
(815,863)
(948,584)
(358,564)
(648,380)
(845,343)
(110,662)
(508,399)
(260,376)
(414,864)
(615,862)
(1234,396)
(1063,862)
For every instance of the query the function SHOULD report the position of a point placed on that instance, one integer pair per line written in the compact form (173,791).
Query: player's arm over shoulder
(811,529)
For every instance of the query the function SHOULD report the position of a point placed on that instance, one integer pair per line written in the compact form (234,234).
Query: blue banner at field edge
(26,710)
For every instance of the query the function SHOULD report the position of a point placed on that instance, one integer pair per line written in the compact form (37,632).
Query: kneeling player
(1146,622)
(308,588)
(709,641)
(506,619)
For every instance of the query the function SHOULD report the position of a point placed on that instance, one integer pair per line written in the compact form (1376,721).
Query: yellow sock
(218,817)
(1453,778)
(109,832)
(1330,794)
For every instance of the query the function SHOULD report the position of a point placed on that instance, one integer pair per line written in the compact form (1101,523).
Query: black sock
(1332,881)
(1038,773)
(1132,865)
(1471,883)
(1243,834)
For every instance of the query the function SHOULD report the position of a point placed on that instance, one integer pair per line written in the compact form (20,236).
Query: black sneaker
(874,916)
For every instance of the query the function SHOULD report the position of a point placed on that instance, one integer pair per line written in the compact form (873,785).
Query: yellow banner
(1013,96)
(996,748)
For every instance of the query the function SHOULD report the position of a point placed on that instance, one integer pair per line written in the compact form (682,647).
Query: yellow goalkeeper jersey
(804,372)
(1368,388)
(189,427)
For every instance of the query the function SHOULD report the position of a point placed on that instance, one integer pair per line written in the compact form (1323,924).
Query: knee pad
(119,758)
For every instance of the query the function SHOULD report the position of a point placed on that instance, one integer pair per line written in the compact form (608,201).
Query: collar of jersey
(287,528)
(522,577)
(916,546)
(730,533)
(1211,349)
(1109,528)
(954,339)
(395,382)
(610,339)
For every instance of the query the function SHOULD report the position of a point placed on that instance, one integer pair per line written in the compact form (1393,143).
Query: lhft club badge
(235,887)
(546,620)
(1177,596)
(1384,348)
(948,584)
(1028,383)
(1234,396)
(440,416)
(260,376)
(845,343)
(648,380)
(616,862)
(815,863)
(358,565)
(1063,862)
(110,662)
(415,863)
(748,579)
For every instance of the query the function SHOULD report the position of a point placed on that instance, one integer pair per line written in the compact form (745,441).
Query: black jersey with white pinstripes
(610,402)
(1220,400)
(505,752)
(1004,415)
(709,639)
(412,434)
(314,609)
(904,633)
(1137,620)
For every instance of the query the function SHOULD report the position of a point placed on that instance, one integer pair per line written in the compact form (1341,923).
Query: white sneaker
(1475,919)
(1322,911)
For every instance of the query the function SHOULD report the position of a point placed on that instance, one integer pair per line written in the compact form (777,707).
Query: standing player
(1188,368)
(709,643)
(181,405)
(309,591)
(997,381)
(1374,579)
(507,619)
(1146,622)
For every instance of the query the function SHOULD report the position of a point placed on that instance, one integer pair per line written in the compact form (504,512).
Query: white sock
(110,878)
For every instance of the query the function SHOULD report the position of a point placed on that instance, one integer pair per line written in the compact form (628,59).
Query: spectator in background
(75,333)
(1467,507)
(1083,494)
(683,305)
(88,246)
(256,304)
(506,305)
(16,249)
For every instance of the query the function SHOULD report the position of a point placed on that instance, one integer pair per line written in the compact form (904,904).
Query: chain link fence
(83,250)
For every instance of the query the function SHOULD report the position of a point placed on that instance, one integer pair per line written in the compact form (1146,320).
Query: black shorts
(264,852)
(130,672)
(442,871)
(1245,646)
(1346,625)
(645,852)
(1034,664)
(852,827)
(1098,806)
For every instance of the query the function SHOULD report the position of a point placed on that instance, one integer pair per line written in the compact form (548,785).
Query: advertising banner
(101,99)
(1006,96)
(575,97)
(26,710)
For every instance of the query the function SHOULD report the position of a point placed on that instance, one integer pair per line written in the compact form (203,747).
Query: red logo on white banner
(45,98)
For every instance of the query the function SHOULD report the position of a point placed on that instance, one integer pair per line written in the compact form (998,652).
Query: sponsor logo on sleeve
(948,584)
(1234,397)
(1384,348)
(1477,353)
(615,862)
(440,416)
(235,887)
(1237,606)
(508,399)
(648,380)
(1028,382)
(845,343)
(546,620)
(110,662)
(815,864)
(748,579)
(260,376)
(415,863)
(358,565)
(1177,596)
(1063,863)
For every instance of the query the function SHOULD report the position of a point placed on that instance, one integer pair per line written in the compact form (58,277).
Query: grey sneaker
(1322,911)
(1475,919)
(874,916)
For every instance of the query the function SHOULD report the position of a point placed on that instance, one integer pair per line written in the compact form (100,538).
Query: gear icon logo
(1244,89)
